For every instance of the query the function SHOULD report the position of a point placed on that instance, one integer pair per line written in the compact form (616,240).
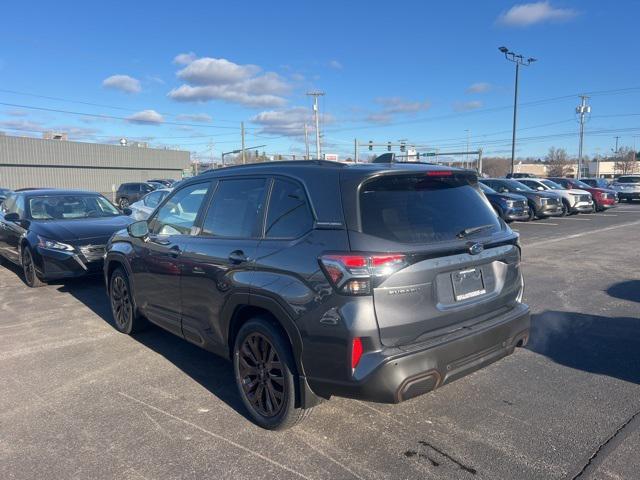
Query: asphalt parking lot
(79,400)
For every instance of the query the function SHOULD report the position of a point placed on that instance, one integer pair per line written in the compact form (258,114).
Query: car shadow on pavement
(593,343)
(628,290)
(209,370)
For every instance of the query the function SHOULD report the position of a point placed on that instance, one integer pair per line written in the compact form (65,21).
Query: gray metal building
(34,162)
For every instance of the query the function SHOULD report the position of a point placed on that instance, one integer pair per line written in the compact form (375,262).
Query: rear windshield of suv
(423,209)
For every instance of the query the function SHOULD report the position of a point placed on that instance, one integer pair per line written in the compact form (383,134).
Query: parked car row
(316,279)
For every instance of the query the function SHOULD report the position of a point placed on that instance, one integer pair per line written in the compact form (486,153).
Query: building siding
(34,162)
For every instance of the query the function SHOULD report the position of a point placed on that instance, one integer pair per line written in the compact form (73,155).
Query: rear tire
(125,316)
(124,203)
(29,269)
(266,375)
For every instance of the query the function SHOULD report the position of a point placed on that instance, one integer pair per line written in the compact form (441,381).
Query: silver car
(627,187)
(144,207)
(573,200)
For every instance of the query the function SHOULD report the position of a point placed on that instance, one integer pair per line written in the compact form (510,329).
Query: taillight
(355,274)
(439,173)
(356,352)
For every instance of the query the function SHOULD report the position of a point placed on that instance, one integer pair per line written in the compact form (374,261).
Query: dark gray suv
(378,281)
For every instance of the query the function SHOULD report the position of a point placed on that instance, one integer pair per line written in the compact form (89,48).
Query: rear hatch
(461,261)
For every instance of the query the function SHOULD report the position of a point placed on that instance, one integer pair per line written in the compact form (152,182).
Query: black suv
(129,193)
(372,281)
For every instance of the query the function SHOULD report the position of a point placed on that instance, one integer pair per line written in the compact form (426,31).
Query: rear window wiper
(471,230)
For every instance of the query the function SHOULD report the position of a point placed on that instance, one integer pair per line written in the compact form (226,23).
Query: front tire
(124,203)
(266,376)
(125,316)
(29,269)
(566,210)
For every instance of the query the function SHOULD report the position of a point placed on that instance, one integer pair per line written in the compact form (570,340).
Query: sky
(185,74)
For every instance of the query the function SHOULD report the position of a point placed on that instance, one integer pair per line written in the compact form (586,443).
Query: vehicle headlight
(511,203)
(53,244)
(543,200)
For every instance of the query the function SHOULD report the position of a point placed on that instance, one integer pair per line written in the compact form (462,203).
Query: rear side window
(629,180)
(422,209)
(236,209)
(289,214)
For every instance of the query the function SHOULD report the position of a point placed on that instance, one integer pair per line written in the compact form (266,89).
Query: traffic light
(370,145)
(388,146)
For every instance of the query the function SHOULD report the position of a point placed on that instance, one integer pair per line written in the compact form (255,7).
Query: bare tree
(496,166)
(626,162)
(558,162)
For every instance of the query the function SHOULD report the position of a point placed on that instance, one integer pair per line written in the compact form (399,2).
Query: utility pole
(617,137)
(518,60)
(582,111)
(306,141)
(244,159)
(355,150)
(316,113)
(466,159)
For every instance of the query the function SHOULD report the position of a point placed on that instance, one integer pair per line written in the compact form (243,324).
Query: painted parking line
(582,234)
(577,219)
(538,223)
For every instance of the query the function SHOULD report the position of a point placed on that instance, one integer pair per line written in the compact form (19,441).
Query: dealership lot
(79,400)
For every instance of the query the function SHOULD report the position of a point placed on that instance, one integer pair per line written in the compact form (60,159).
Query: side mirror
(127,211)
(540,188)
(139,229)
(12,217)
(504,190)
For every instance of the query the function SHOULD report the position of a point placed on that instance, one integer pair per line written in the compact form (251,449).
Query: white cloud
(335,64)
(288,121)
(146,117)
(379,118)
(526,14)
(195,117)
(297,77)
(467,106)
(184,58)
(22,125)
(480,87)
(16,113)
(219,79)
(123,83)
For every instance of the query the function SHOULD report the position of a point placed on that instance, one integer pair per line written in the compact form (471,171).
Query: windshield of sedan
(552,185)
(580,184)
(66,207)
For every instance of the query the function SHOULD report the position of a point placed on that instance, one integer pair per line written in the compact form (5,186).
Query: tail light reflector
(356,352)
(354,274)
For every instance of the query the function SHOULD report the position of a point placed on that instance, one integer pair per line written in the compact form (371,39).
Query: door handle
(238,256)
(175,251)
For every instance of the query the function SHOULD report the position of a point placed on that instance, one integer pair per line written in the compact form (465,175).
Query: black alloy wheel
(122,307)
(262,376)
(29,269)
(124,203)
(266,375)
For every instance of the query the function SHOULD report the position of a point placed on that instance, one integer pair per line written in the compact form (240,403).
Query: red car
(603,198)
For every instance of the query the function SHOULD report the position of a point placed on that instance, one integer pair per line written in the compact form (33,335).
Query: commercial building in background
(34,162)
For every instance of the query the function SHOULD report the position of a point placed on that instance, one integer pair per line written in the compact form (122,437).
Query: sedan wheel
(124,203)
(29,269)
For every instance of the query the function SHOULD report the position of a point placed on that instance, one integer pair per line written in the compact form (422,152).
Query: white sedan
(144,207)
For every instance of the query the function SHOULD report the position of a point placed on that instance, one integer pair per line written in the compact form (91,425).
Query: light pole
(518,60)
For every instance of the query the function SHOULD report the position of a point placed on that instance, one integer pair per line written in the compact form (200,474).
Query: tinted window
(289,215)
(8,206)
(236,209)
(419,209)
(177,216)
(629,180)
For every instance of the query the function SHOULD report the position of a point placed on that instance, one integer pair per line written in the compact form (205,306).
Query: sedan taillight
(354,274)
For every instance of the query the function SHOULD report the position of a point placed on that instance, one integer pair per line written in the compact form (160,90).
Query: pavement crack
(610,444)
(462,466)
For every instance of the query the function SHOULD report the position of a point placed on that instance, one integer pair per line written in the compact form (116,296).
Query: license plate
(467,284)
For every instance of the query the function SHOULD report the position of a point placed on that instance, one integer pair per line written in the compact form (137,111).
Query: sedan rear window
(423,209)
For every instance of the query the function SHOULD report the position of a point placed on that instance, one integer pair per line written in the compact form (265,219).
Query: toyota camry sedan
(57,234)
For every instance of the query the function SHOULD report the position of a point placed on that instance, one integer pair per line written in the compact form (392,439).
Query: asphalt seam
(606,447)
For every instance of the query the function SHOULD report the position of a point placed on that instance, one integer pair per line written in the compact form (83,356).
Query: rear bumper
(56,265)
(404,373)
